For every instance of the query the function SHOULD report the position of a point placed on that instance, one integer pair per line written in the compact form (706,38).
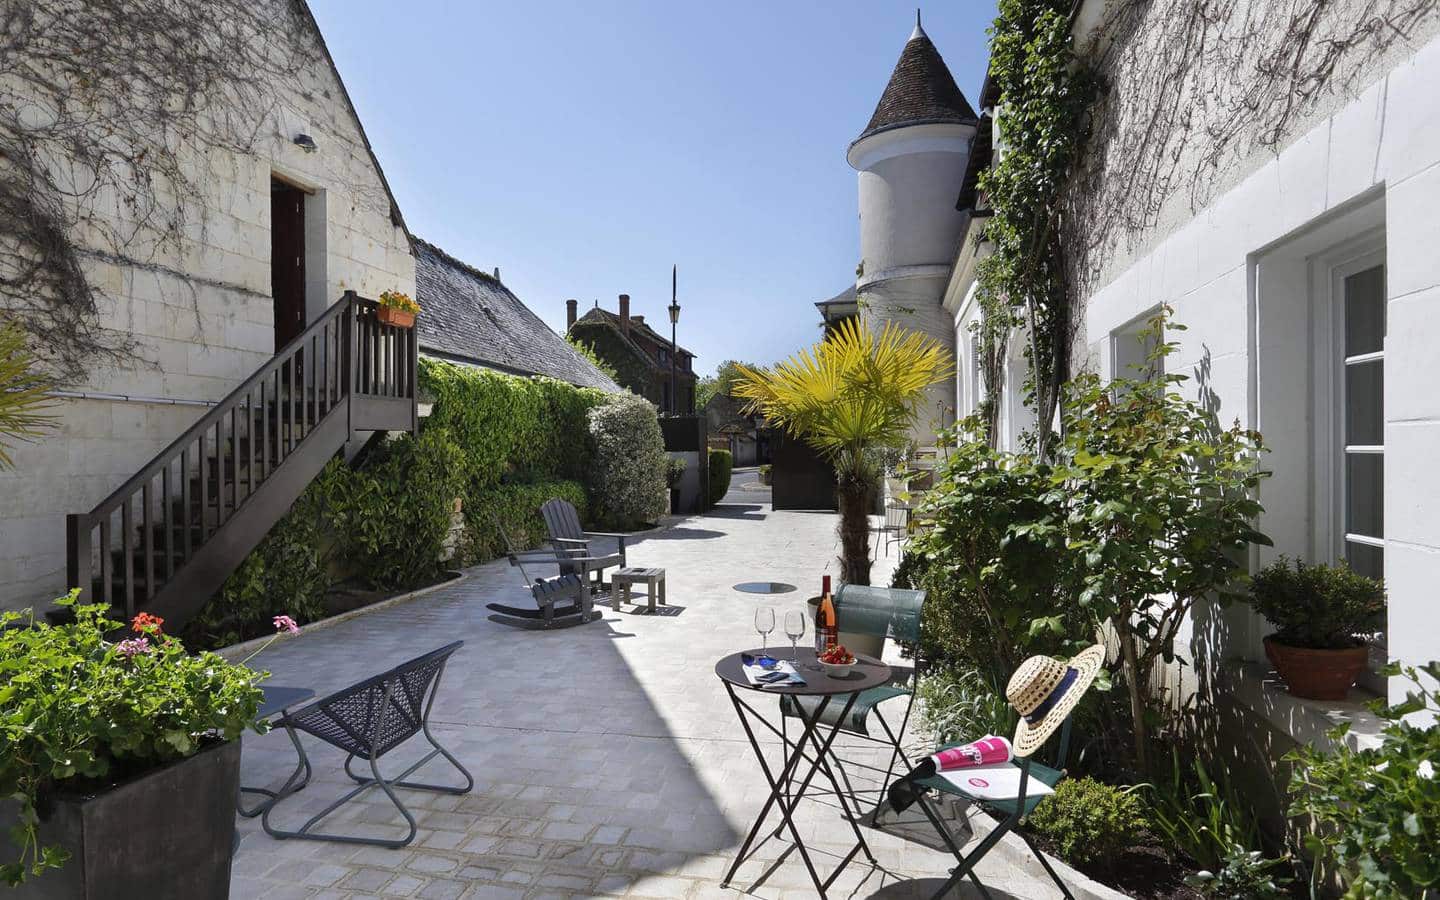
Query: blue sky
(584,147)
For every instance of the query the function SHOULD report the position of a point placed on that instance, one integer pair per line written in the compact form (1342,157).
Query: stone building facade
(639,354)
(201,309)
(1274,177)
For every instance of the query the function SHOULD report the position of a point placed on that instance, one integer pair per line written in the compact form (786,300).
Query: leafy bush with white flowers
(627,478)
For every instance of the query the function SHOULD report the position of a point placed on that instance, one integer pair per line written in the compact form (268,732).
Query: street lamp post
(674,320)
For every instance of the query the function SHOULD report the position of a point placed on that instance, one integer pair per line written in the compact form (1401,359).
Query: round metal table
(868,672)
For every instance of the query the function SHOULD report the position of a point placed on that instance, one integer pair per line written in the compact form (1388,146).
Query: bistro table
(277,700)
(868,672)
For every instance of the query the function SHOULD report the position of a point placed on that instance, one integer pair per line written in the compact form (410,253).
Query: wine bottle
(826,634)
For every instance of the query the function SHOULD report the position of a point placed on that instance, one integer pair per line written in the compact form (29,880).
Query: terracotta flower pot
(389,315)
(1317,674)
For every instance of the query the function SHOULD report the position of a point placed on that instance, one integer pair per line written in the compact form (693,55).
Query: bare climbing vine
(1193,90)
(111,113)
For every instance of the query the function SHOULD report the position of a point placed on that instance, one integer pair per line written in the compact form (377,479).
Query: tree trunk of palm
(854,494)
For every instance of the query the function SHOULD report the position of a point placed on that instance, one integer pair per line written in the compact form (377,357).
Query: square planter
(165,835)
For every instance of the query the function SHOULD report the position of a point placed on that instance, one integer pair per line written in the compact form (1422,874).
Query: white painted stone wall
(202,316)
(1241,275)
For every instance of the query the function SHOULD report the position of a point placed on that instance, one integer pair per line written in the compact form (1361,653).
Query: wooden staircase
(167,538)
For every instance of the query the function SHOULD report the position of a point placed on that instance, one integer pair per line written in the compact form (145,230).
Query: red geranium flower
(144,622)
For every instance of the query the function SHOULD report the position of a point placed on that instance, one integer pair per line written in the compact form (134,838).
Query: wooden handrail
(346,352)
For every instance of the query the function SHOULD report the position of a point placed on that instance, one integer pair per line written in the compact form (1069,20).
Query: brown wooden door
(287,260)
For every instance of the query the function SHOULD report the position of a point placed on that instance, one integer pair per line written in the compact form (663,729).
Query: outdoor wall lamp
(305,142)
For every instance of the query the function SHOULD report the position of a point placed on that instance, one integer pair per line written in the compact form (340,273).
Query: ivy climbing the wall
(1044,94)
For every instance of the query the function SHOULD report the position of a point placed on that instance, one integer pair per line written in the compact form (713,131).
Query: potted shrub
(397,309)
(121,758)
(1321,615)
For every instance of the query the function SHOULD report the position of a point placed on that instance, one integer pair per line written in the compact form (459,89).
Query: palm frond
(23,393)
(853,390)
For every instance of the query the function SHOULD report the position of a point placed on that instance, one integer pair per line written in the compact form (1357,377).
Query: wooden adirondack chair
(568,538)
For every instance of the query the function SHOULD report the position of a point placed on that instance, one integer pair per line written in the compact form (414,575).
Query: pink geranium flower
(286,625)
(133,647)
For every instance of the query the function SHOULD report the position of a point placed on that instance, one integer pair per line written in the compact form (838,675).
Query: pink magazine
(988,751)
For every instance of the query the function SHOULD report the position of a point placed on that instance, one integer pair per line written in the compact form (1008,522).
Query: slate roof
(921,90)
(596,314)
(468,316)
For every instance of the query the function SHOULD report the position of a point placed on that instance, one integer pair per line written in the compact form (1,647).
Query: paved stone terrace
(607,759)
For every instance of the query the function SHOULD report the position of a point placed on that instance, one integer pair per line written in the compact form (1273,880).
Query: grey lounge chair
(367,721)
(568,537)
(573,585)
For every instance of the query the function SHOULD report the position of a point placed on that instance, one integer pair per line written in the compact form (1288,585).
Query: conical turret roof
(921,90)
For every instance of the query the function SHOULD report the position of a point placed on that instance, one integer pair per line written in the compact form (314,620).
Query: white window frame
(1328,391)
(1129,333)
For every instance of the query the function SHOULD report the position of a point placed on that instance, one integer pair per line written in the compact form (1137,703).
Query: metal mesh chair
(367,721)
(882,612)
(894,529)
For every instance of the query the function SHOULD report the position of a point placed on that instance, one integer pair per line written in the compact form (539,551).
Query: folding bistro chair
(894,529)
(1044,691)
(1008,812)
(881,612)
(367,721)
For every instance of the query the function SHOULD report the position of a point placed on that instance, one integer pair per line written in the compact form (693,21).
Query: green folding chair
(1008,812)
(881,612)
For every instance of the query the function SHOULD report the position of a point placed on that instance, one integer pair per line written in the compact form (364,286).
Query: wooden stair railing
(166,539)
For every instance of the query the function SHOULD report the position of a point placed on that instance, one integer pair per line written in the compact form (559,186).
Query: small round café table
(868,672)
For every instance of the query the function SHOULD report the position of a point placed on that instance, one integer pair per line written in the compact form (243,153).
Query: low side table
(622,580)
(278,700)
(868,672)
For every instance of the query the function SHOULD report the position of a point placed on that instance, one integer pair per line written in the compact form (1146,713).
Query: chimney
(570,306)
(625,314)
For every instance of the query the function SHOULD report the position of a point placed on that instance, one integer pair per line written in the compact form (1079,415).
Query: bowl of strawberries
(836,661)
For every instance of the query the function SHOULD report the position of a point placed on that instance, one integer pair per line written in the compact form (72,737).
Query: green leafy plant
(1159,510)
(1243,875)
(960,704)
(516,509)
(627,485)
(79,710)
(722,464)
(999,579)
(1377,809)
(855,390)
(1090,821)
(766,473)
(23,393)
(1203,817)
(1319,607)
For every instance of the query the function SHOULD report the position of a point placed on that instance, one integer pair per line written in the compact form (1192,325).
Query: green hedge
(502,443)
(721,462)
(516,508)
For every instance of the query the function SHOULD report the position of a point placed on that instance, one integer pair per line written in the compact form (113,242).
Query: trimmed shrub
(1320,607)
(627,486)
(1089,820)
(721,464)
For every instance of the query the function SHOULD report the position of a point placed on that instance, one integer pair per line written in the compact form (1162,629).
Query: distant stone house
(470,317)
(639,354)
(261,202)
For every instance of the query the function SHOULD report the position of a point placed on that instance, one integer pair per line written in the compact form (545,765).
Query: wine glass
(794,630)
(764,623)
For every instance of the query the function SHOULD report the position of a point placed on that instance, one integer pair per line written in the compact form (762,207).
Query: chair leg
(302,764)
(416,785)
(966,869)
(1049,870)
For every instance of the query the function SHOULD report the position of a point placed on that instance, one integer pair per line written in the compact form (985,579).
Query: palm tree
(22,392)
(854,391)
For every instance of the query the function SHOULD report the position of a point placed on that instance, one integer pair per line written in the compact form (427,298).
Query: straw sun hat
(1044,690)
